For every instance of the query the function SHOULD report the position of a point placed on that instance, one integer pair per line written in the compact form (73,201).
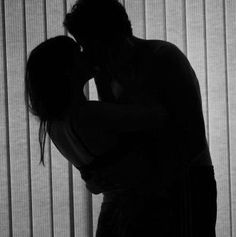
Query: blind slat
(5,199)
(136,13)
(60,166)
(41,201)
(175,23)
(218,110)
(196,48)
(18,135)
(231,69)
(155,19)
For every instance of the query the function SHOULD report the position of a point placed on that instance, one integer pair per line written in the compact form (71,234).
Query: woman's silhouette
(96,137)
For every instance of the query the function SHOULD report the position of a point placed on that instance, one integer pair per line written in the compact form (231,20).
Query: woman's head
(50,80)
(49,76)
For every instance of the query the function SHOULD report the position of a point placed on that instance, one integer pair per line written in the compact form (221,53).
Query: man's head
(98,25)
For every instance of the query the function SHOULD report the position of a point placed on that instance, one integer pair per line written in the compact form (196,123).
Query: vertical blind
(52,200)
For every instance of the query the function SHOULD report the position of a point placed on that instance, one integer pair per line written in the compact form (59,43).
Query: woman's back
(109,157)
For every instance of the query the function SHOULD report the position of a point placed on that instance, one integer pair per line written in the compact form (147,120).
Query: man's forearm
(104,89)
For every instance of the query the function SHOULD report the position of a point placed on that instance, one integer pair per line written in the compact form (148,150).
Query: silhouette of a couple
(143,144)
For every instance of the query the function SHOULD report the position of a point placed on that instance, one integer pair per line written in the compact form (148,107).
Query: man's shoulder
(156,48)
(168,52)
(155,45)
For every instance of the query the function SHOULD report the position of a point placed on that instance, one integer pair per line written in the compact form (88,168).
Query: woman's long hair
(48,82)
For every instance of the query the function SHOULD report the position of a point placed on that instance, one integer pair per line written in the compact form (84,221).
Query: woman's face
(81,69)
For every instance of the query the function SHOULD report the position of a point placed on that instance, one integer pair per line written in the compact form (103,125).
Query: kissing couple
(143,143)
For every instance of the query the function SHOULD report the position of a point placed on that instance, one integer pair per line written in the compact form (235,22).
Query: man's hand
(103,84)
(100,182)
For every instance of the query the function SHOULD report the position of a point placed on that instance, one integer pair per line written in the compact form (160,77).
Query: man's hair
(105,20)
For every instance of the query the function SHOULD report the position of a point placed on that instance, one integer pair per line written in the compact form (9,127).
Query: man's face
(115,56)
(95,51)
(79,66)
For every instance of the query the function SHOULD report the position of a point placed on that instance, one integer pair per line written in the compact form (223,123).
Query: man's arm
(103,84)
(182,96)
(179,84)
(120,118)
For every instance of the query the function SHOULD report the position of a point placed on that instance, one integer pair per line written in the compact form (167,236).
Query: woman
(106,143)
(95,137)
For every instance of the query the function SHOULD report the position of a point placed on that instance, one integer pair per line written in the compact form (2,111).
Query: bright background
(52,201)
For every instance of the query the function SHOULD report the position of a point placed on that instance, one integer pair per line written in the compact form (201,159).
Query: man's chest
(144,88)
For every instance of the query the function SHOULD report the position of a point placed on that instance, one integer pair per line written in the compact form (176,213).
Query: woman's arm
(119,118)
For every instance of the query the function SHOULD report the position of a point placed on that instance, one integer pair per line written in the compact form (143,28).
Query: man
(153,72)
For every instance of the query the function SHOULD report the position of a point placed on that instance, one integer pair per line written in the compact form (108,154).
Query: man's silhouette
(131,70)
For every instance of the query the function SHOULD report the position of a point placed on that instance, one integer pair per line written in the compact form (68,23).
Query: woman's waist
(118,195)
(201,159)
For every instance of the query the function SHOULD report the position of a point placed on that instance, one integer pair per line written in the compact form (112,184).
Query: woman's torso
(110,160)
